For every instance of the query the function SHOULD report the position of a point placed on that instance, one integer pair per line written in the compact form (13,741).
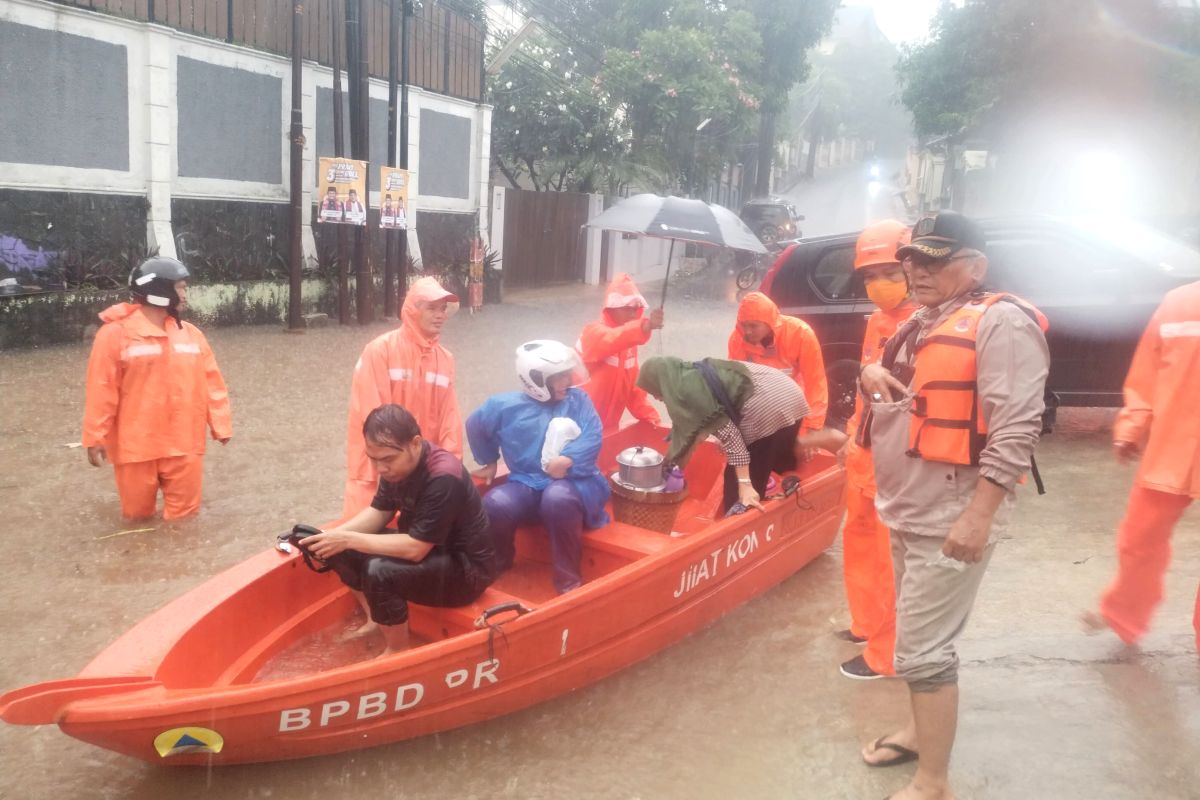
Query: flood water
(751,707)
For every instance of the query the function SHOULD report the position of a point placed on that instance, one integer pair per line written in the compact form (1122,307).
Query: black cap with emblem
(941,235)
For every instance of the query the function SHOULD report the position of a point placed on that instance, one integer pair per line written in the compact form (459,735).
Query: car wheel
(768,234)
(842,376)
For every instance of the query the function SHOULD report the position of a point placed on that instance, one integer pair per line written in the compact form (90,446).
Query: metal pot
(640,467)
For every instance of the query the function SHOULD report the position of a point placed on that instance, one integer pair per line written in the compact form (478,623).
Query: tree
(645,76)
(553,124)
(989,61)
(787,31)
(1054,89)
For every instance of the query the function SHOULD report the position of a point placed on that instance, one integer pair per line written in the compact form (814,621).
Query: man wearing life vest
(408,367)
(866,542)
(608,348)
(1159,423)
(153,388)
(763,335)
(955,409)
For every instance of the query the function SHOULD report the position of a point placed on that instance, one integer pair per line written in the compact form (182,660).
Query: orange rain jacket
(151,392)
(795,350)
(881,326)
(1160,396)
(609,351)
(404,367)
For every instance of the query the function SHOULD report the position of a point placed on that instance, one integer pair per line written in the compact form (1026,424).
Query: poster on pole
(393,198)
(343,191)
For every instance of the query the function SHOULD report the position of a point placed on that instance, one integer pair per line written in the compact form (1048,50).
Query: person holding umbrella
(608,347)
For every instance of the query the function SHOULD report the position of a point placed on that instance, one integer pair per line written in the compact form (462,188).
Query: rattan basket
(654,511)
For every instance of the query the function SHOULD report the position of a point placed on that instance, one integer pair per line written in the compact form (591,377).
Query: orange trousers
(1143,552)
(870,584)
(180,478)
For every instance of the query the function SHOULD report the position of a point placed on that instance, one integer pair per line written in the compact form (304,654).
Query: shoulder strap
(905,336)
(718,390)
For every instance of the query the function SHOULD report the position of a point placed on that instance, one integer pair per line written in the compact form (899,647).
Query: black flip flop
(903,754)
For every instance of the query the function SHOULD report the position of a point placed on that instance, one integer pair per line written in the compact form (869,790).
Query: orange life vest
(947,423)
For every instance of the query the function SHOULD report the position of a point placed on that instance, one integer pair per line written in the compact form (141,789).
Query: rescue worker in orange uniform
(408,367)
(763,335)
(1160,424)
(153,388)
(608,348)
(866,542)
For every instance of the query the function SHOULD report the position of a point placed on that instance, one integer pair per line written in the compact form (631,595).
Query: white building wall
(152,53)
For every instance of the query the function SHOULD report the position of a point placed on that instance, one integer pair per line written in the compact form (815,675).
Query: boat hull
(569,642)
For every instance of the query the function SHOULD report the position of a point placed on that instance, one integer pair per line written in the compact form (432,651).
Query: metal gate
(544,240)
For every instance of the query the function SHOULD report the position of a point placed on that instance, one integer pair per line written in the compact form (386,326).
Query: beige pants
(934,596)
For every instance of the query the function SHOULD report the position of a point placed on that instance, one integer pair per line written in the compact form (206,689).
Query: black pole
(389,258)
(229,19)
(337,22)
(296,257)
(670,254)
(362,237)
(410,212)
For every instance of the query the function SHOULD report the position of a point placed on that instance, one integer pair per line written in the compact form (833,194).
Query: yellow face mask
(887,294)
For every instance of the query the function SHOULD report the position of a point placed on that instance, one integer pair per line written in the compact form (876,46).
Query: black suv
(1097,284)
(772,219)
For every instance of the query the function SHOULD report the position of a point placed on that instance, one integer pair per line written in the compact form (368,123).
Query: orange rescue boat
(218,676)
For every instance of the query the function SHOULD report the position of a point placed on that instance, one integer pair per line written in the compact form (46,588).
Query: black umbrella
(678,218)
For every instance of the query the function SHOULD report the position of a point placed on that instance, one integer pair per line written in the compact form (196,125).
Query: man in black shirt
(442,554)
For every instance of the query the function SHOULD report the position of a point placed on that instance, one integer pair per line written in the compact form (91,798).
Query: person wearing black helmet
(153,387)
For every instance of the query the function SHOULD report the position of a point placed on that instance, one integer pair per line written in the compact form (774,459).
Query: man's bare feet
(364,630)
(886,751)
(1093,623)
(924,791)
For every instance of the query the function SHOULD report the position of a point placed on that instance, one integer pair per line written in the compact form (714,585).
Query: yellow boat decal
(179,741)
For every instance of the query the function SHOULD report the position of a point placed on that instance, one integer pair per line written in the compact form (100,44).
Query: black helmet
(153,282)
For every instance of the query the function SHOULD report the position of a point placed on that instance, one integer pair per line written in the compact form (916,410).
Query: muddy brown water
(751,707)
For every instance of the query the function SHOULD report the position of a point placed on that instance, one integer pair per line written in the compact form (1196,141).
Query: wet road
(844,199)
(752,707)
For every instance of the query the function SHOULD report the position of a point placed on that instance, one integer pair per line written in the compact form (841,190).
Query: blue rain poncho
(514,425)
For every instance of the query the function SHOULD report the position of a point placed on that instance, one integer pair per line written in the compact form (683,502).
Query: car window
(1039,267)
(834,278)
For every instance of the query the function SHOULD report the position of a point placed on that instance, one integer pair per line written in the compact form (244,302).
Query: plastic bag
(561,432)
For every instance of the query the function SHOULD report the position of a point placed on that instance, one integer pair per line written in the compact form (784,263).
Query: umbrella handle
(670,255)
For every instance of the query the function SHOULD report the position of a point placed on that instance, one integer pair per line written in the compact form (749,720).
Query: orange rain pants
(181,479)
(870,587)
(405,367)
(794,349)
(1143,553)
(866,541)
(152,394)
(1161,418)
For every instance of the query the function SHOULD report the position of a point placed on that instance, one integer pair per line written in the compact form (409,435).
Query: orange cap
(878,243)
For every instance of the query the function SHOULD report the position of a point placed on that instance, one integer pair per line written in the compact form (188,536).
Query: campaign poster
(343,191)
(393,198)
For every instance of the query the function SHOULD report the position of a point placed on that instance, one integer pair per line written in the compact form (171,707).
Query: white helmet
(540,360)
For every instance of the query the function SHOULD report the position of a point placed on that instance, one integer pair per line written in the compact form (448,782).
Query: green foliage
(614,93)
(553,124)
(992,60)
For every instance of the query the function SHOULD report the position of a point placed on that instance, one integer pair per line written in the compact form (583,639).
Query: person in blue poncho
(552,479)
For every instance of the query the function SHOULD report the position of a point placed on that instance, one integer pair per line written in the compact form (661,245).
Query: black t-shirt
(438,504)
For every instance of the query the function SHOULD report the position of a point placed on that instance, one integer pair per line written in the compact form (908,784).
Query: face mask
(887,294)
